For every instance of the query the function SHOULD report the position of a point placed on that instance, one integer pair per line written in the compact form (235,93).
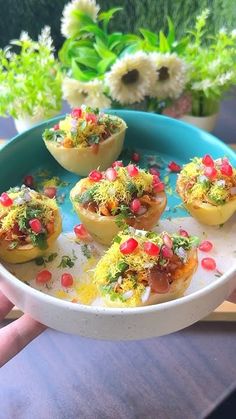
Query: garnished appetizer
(105,201)
(86,139)
(208,189)
(29,224)
(142,268)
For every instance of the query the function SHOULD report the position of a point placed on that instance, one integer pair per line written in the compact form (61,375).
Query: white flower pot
(25,122)
(204,122)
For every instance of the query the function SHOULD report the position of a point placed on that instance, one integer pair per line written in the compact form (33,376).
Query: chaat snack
(143,268)
(29,224)
(86,139)
(208,189)
(105,201)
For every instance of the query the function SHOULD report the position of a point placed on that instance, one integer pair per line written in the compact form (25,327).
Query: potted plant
(211,73)
(30,80)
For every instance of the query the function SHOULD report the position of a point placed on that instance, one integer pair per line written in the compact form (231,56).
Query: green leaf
(88,57)
(104,64)
(103,51)
(95,30)
(171,31)
(149,36)
(83,18)
(163,43)
(107,16)
(79,74)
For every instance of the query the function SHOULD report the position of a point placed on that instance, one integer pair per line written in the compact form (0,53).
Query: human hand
(16,335)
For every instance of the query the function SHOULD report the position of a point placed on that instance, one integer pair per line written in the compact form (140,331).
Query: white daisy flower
(130,78)
(69,22)
(90,93)
(171,75)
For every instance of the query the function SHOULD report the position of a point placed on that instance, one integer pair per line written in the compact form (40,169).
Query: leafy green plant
(30,79)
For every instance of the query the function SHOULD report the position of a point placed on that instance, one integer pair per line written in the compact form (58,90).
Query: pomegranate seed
(183,233)
(210,172)
(174,167)
(209,264)
(56,127)
(155,179)
(135,205)
(90,117)
(95,176)
(135,157)
(151,249)
(29,181)
(111,174)
(81,232)
(207,160)
(132,170)
(117,163)
(67,280)
(5,200)
(205,246)
(154,172)
(43,276)
(226,169)
(166,252)
(50,191)
(159,187)
(167,241)
(128,246)
(35,225)
(76,113)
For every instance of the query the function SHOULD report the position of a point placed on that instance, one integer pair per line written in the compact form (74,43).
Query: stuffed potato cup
(29,224)
(208,189)
(85,140)
(105,201)
(143,268)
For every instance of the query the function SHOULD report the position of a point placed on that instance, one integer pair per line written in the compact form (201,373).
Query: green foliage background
(32,15)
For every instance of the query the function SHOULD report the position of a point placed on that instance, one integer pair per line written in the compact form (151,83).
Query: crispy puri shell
(82,160)
(206,213)
(29,252)
(104,228)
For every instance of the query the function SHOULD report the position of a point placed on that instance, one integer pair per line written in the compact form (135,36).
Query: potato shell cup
(82,161)
(206,213)
(104,228)
(29,252)
(178,287)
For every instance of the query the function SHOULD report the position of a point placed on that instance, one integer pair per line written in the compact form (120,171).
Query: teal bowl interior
(158,139)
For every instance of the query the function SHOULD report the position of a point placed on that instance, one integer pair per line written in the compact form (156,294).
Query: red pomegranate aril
(159,187)
(168,241)
(67,280)
(43,276)
(81,232)
(132,170)
(56,127)
(205,246)
(226,169)
(166,252)
(207,160)
(135,205)
(5,200)
(111,174)
(151,249)
(29,181)
(155,179)
(95,176)
(128,246)
(117,163)
(135,157)
(209,264)
(174,167)
(210,172)
(35,225)
(90,117)
(50,191)
(154,172)
(183,233)
(76,113)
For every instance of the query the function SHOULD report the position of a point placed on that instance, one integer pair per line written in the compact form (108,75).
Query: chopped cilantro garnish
(86,251)
(66,262)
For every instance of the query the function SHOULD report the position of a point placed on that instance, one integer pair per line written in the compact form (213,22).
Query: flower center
(163,73)
(131,77)
(84,94)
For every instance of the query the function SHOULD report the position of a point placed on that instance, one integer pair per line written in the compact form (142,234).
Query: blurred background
(32,15)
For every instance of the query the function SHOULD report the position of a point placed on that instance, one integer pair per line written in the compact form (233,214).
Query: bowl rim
(88,309)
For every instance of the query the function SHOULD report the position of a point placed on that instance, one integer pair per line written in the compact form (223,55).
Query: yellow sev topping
(10,215)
